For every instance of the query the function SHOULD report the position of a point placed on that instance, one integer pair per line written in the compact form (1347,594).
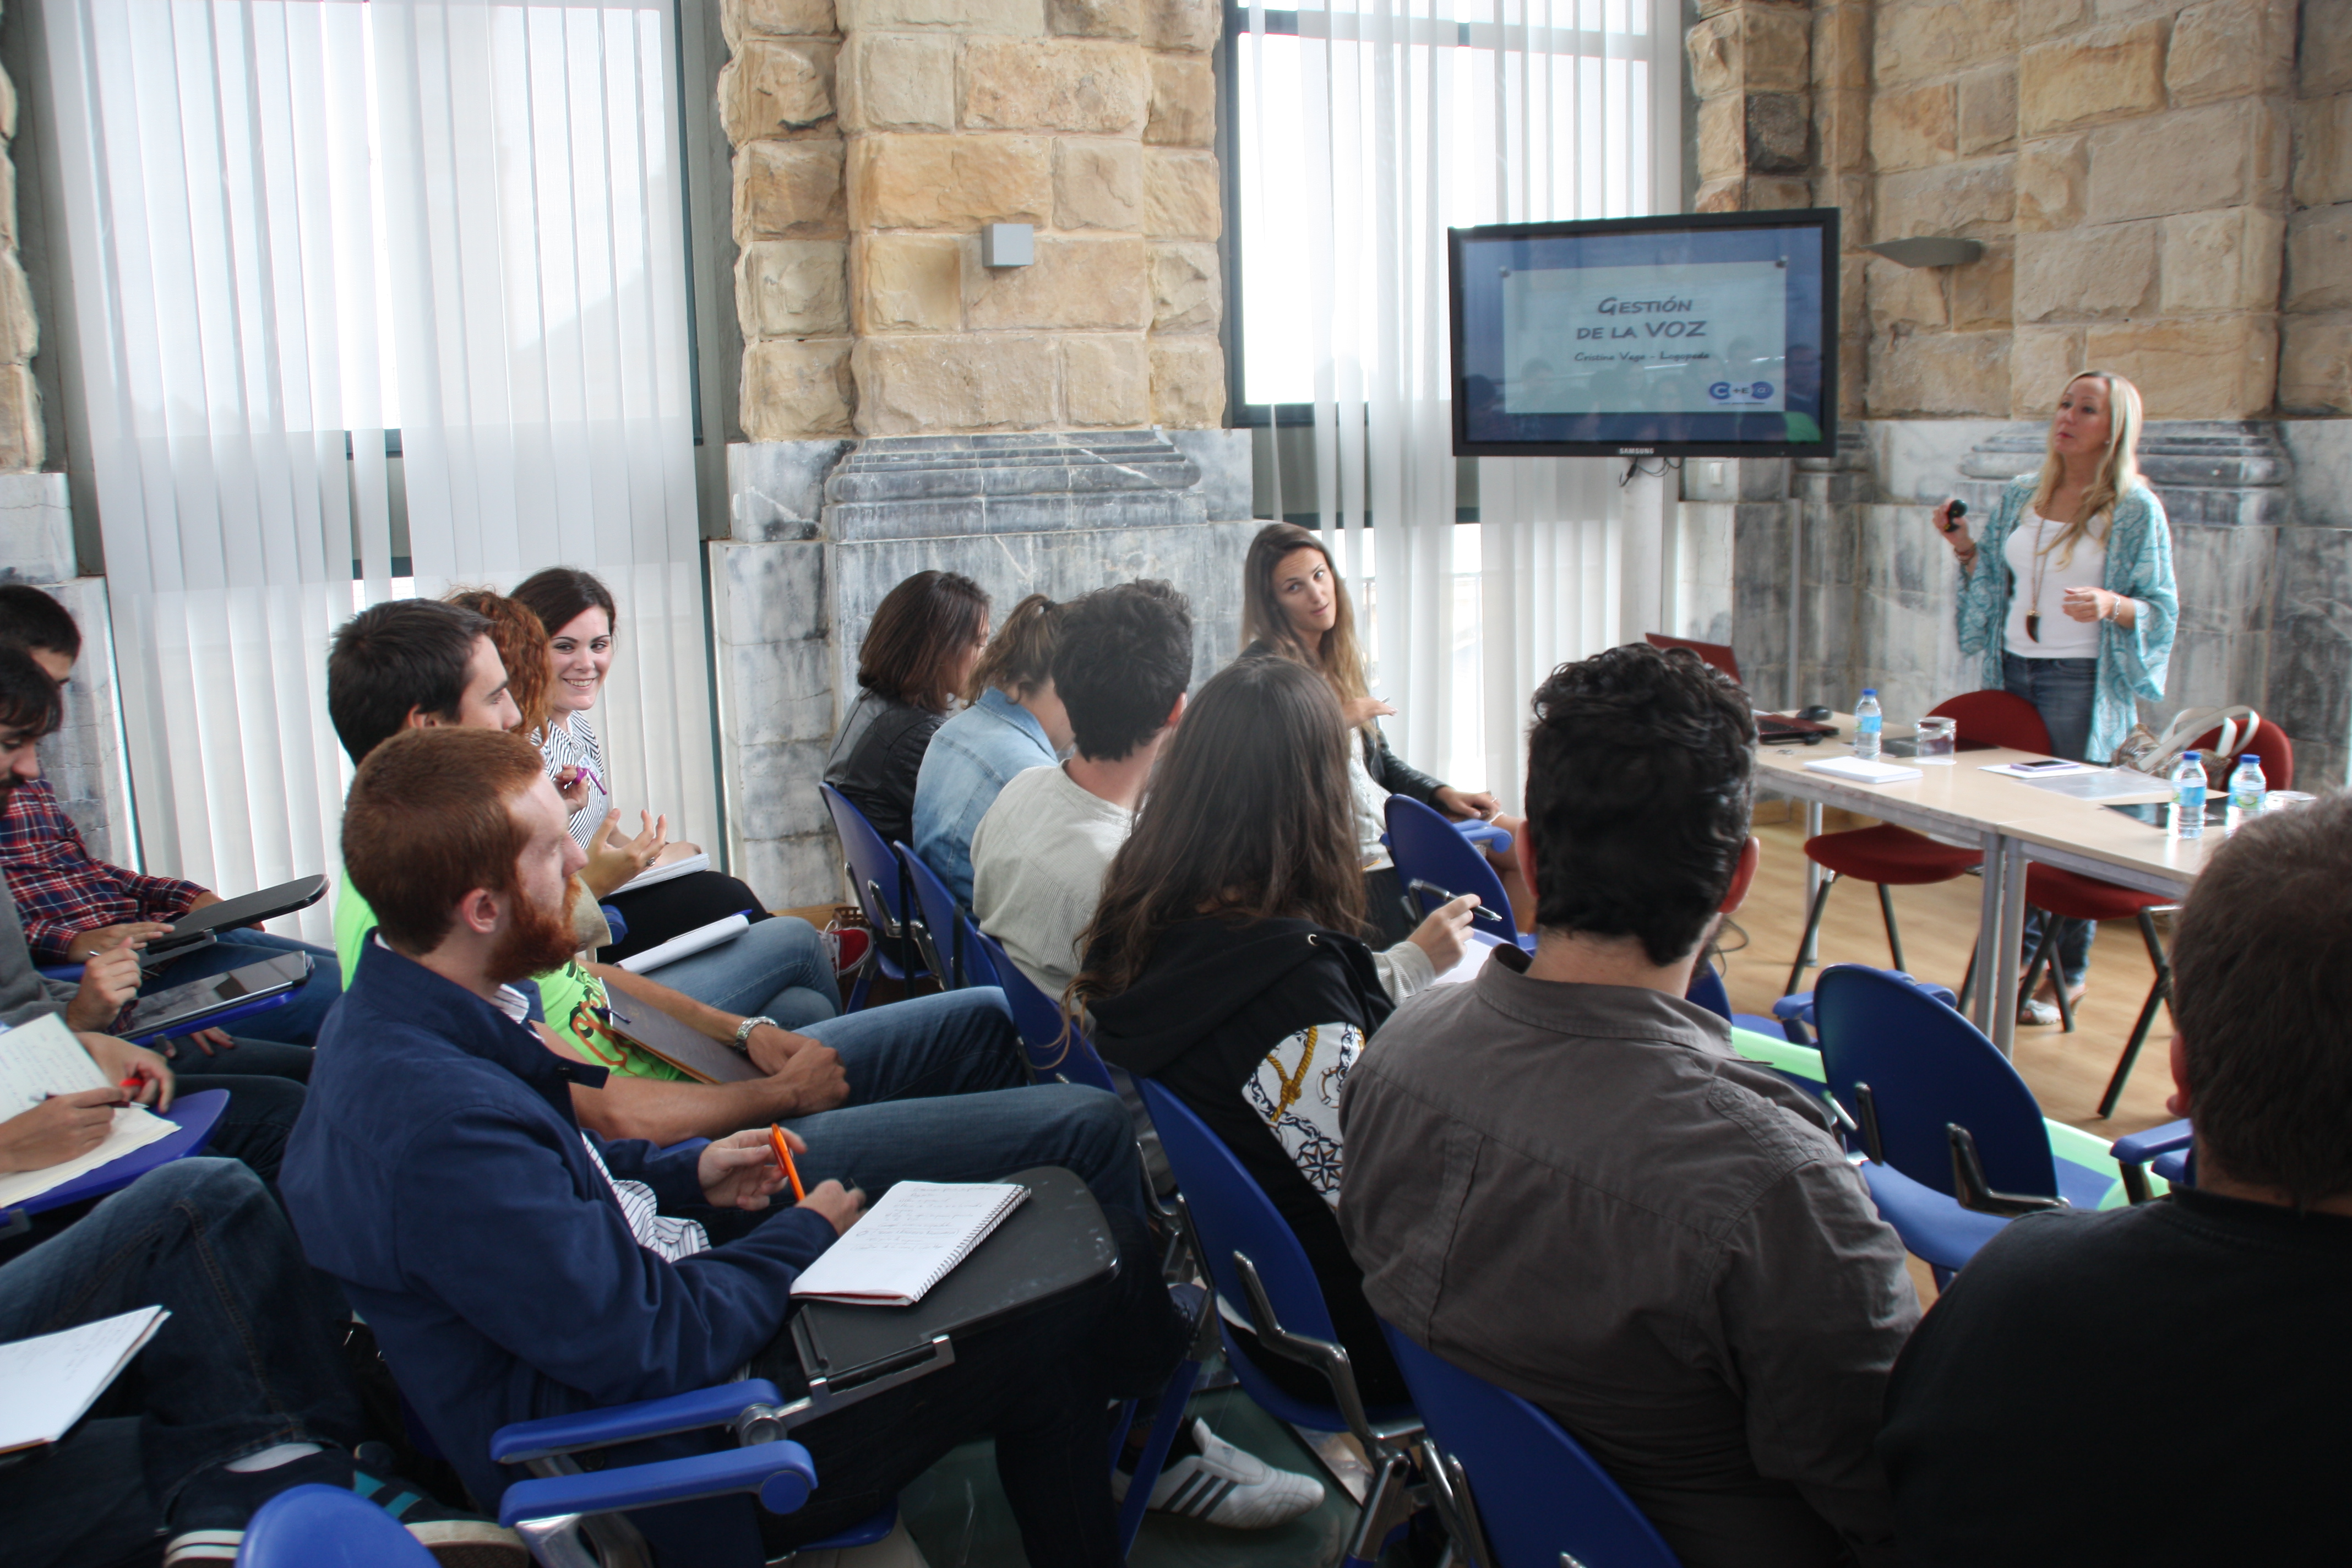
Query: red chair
(1715,653)
(1895,857)
(2070,896)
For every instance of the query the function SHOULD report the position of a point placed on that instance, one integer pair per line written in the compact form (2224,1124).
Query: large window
(1360,132)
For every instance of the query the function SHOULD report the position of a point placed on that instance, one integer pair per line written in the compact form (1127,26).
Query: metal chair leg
(1894,937)
(1813,924)
(1388,1507)
(2159,992)
(1969,980)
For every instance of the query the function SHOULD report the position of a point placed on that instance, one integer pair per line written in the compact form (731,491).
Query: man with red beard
(513,1265)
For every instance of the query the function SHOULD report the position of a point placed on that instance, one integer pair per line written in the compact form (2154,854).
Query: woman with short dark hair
(1015,721)
(1226,958)
(915,663)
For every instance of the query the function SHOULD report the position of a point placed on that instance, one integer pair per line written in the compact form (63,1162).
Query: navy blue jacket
(438,1173)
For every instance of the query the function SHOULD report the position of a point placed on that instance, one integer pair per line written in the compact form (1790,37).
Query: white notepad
(1855,770)
(41,1058)
(686,944)
(51,1379)
(668,871)
(908,1242)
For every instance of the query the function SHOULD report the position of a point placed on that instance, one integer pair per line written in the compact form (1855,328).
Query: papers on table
(1474,953)
(42,1059)
(653,875)
(2031,772)
(908,1242)
(1855,770)
(686,944)
(51,1379)
(2101,783)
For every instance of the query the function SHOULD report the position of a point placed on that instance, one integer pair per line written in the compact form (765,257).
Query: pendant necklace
(2040,564)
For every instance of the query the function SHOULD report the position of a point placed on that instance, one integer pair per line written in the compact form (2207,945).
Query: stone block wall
(873,141)
(22,445)
(2161,188)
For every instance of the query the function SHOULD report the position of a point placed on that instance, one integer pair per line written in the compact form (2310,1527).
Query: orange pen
(784,1158)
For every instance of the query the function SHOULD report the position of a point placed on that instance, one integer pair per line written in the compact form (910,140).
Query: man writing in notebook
(930,1089)
(514,1265)
(1560,1178)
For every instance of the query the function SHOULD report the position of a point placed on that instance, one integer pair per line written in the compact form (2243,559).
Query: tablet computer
(244,911)
(183,1008)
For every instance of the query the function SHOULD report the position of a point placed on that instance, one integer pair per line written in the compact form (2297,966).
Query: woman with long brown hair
(1295,606)
(1224,959)
(914,665)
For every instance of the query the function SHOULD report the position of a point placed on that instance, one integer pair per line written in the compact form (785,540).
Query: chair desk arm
(780,1472)
(2140,1148)
(691,1411)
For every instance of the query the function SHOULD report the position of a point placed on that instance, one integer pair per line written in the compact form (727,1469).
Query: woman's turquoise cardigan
(2133,660)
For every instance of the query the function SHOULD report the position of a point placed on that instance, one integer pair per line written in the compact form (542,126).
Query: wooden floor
(2066,1072)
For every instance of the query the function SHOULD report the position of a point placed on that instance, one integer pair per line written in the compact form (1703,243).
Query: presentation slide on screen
(1691,339)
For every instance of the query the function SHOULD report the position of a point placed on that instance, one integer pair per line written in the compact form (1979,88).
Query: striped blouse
(575,746)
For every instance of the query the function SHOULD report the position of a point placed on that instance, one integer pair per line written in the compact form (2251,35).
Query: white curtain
(1367,131)
(295,225)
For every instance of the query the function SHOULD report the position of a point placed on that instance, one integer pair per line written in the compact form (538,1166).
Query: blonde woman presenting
(2070,598)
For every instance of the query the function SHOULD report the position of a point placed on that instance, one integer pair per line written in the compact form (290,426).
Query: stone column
(2315,328)
(22,446)
(1749,71)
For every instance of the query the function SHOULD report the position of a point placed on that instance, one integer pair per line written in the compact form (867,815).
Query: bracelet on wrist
(744,1031)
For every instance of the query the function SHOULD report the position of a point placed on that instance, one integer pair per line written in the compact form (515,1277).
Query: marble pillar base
(825,529)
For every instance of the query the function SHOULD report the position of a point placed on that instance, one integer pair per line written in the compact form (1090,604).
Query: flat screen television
(1693,334)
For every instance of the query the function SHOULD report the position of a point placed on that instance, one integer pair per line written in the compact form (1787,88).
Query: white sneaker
(1228,1486)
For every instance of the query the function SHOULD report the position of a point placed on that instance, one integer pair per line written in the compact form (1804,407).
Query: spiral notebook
(908,1242)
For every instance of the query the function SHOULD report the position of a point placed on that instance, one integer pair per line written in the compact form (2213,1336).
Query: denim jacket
(2133,660)
(973,757)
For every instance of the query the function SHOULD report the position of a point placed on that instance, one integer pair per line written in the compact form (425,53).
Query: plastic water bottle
(2247,787)
(1867,723)
(2188,797)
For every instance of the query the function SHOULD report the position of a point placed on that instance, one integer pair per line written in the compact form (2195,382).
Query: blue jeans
(245,1361)
(293,1023)
(937,1093)
(2062,689)
(778,967)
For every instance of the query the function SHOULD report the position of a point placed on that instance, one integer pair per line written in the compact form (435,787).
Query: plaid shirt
(60,890)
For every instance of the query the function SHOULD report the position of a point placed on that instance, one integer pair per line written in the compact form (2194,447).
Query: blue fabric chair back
(1539,1499)
(937,908)
(1427,847)
(326,1527)
(1928,1066)
(1230,1213)
(1054,1052)
(875,880)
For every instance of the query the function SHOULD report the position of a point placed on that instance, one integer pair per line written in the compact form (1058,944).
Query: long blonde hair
(1335,655)
(2117,473)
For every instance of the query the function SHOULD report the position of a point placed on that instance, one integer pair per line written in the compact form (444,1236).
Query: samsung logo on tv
(1637,452)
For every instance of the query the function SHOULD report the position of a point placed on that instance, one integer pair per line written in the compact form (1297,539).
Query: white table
(2010,820)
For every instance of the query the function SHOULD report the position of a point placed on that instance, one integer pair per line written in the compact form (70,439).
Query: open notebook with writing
(908,1242)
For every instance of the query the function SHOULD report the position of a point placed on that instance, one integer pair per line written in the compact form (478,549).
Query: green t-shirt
(567,995)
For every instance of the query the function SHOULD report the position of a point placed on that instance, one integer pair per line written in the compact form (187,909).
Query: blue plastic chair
(1056,1048)
(937,932)
(326,1527)
(978,969)
(1925,1093)
(1256,1264)
(879,885)
(1514,1488)
(1430,850)
(1706,990)
(2168,1151)
(196,1114)
(1794,1012)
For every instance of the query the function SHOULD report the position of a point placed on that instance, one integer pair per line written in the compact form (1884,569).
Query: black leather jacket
(876,757)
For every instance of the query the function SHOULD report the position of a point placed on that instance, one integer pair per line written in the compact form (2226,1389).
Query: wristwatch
(743,1032)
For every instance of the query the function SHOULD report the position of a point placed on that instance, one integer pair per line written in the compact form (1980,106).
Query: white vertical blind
(294,226)
(1368,128)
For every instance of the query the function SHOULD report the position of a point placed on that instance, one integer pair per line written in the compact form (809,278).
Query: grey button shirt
(1578,1192)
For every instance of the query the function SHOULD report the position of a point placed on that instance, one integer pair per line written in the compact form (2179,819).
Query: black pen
(1478,911)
